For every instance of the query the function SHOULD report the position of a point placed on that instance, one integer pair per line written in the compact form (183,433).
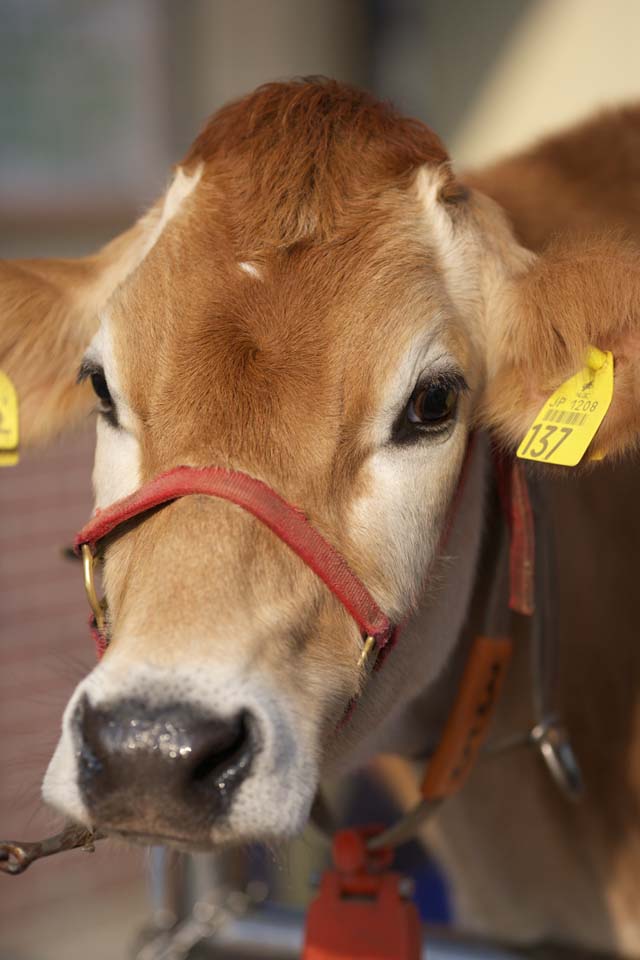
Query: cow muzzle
(163,773)
(193,754)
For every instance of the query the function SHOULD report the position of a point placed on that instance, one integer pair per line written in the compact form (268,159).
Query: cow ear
(575,295)
(49,311)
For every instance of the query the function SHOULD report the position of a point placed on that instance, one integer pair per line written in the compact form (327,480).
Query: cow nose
(160,772)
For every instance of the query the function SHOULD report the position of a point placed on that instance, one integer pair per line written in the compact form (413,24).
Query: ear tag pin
(570,418)
(8,422)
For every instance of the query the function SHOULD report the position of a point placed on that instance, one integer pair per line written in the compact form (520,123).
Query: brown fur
(305,161)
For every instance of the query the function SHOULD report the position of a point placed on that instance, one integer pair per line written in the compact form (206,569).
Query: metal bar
(166,882)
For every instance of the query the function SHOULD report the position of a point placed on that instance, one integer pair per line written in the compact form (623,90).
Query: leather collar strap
(516,506)
(288,523)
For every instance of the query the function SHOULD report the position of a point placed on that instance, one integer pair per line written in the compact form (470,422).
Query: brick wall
(45,649)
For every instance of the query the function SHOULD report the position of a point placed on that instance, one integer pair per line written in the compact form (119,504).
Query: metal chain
(171,940)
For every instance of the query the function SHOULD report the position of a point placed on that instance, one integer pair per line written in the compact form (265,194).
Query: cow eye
(431,408)
(101,390)
(92,371)
(433,403)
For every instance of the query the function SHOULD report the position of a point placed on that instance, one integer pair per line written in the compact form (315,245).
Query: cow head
(316,301)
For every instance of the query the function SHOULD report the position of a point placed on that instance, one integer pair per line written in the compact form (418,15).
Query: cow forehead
(293,348)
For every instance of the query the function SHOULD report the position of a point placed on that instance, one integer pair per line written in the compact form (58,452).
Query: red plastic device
(360,912)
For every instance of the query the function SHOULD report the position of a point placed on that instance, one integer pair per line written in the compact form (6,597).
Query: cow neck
(515,577)
(487,612)
(470,687)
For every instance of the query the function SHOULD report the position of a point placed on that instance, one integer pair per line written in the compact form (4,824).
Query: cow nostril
(162,769)
(231,747)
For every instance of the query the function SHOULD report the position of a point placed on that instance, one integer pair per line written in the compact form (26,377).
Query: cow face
(316,301)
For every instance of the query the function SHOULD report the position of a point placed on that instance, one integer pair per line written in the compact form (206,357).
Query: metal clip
(88,570)
(369,645)
(552,740)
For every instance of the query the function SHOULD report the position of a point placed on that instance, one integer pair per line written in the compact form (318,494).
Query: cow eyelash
(95,373)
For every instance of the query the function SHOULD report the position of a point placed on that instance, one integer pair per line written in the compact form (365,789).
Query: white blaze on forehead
(251,269)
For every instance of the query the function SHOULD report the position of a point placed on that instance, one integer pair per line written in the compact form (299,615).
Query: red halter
(288,523)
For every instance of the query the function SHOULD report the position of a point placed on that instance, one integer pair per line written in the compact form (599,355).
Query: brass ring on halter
(369,645)
(88,566)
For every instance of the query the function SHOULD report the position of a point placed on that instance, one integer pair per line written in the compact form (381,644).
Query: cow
(320,301)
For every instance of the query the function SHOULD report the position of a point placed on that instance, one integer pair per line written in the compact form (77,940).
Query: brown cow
(318,301)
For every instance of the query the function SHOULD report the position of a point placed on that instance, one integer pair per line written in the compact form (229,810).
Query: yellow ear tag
(8,422)
(570,418)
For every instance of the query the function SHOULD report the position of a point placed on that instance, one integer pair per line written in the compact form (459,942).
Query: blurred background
(97,101)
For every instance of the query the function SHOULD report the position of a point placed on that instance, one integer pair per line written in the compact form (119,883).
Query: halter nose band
(288,523)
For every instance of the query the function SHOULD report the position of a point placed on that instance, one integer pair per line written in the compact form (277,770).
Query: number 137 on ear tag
(570,418)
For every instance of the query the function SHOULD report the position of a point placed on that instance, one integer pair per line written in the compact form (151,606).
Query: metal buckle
(97,605)
(552,740)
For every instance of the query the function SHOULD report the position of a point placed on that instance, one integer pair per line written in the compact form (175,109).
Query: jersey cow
(319,302)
